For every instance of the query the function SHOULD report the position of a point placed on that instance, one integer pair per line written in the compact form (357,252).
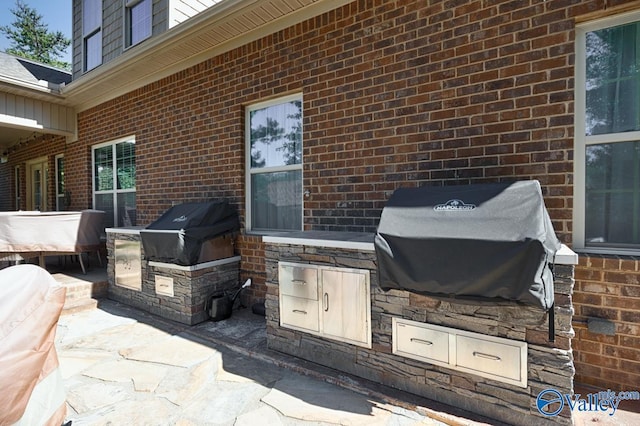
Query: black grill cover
(177,236)
(488,242)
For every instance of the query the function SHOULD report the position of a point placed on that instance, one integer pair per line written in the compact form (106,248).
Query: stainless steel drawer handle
(424,342)
(298,311)
(299,282)
(487,356)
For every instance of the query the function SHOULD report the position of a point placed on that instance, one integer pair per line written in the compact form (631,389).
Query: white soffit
(221,28)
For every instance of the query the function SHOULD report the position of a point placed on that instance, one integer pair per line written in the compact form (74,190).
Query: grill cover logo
(454,205)
(182,218)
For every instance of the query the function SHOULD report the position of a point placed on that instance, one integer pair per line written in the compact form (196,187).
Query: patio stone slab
(73,327)
(93,396)
(223,404)
(306,399)
(121,336)
(144,376)
(175,350)
(75,362)
(129,412)
(182,388)
(264,416)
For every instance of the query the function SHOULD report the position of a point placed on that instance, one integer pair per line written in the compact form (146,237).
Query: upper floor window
(138,21)
(114,181)
(92,33)
(607,149)
(274,165)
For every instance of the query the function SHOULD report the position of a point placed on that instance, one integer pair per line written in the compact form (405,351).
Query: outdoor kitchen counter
(364,241)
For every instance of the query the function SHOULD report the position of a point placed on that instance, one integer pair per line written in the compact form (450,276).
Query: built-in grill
(191,233)
(481,243)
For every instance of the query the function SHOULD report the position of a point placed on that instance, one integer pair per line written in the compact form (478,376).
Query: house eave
(204,36)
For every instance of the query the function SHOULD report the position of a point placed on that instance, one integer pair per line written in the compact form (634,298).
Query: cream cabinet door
(345,306)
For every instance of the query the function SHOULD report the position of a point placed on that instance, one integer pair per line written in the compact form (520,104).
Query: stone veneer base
(192,285)
(550,365)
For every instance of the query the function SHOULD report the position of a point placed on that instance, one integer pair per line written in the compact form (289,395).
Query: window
(114,181)
(61,203)
(138,21)
(607,148)
(274,165)
(92,33)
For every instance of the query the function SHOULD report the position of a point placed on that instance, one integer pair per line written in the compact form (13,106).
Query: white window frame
(115,191)
(59,196)
(249,171)
(17,175)
(581,140)
(128,26)
(89,32)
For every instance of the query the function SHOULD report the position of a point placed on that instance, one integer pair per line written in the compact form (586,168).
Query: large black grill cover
(486,242)
(177,236)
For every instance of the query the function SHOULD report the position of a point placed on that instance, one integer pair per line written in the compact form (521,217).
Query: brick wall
(6,202)
(608,288)
(395,93)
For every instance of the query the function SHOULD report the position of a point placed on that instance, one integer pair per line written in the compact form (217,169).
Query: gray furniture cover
(484,243)
(177,236)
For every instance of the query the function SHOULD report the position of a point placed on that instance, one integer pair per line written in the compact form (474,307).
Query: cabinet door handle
(486,356)
(424,342)
(299,282)
(326,302)
(298,311)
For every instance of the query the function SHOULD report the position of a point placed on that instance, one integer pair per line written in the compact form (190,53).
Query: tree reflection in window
(276,135)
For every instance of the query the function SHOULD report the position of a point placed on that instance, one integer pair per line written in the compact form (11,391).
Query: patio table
(39,234)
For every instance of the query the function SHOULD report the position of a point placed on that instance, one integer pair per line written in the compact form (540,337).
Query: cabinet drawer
(299,313)
(298,281)
(490,357)
(417,341)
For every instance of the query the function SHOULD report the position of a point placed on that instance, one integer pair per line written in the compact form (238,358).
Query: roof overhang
(28,110)
(220,28)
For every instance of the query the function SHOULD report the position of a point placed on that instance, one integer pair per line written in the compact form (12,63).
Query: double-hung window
(274,165)
(607,136)
(138,21)
(92,33)
(114,181)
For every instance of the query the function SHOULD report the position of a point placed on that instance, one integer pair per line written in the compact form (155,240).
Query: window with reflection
(274,164)
(138,21)
(114,181)
(92,33)
(611,135)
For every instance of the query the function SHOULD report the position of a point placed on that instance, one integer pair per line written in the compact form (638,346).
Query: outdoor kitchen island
(173,266)
(493,360)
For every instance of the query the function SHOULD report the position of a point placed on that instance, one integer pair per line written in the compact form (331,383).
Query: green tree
(31,39)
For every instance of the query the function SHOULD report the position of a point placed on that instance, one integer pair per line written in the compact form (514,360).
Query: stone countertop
(364,241)
(124,230)
(329,239)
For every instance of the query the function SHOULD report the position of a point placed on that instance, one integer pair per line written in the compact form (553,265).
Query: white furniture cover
(32,391)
